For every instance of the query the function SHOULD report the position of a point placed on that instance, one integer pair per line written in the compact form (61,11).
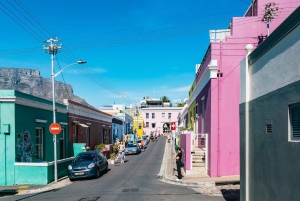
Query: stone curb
(62,182)
(162,176)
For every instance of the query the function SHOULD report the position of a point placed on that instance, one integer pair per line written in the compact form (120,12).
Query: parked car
(88,164)
(132,148)
(140,143)
(146,140)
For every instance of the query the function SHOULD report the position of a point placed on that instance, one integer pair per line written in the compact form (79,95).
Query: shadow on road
(231,194)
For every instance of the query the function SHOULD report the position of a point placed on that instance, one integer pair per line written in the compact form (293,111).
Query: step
(198,165)
(198,168)
(198,161)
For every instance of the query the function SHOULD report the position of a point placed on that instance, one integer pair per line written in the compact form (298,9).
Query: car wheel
(71,179)
(97,173)
(106,169)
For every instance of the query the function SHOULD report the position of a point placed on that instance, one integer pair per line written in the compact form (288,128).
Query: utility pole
(123,96)
(53,49)
(270,12)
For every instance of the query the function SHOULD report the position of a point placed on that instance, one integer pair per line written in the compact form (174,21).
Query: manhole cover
(130,190)
(89,199)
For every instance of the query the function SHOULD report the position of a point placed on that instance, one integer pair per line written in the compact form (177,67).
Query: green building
(26,144)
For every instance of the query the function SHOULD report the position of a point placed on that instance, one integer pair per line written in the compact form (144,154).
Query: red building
(88,125)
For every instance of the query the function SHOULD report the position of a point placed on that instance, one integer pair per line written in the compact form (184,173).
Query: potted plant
(112,158)
(100,147)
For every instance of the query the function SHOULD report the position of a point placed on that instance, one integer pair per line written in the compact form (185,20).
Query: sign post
(55,129)
(173,126)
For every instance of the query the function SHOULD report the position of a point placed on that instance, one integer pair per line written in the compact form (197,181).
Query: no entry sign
(55,128)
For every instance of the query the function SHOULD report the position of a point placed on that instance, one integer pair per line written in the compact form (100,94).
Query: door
(62,143)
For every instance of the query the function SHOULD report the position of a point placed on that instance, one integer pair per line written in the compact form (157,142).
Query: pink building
(158,118)
(217,88)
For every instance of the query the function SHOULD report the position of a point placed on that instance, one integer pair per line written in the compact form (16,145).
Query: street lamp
(53,101)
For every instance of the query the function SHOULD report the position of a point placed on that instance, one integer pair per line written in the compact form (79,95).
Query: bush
(100,147)
(113,156)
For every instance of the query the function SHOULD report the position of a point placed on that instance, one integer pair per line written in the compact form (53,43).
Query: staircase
(198,160)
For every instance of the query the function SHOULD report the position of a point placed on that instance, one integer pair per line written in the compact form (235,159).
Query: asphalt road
(133,180)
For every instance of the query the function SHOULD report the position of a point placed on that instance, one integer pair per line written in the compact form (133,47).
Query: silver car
(132,148)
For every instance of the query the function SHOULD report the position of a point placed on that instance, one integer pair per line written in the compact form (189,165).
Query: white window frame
(153,124)
(291,137)
(169,115)
(147,124)
(147,115)
(153,115)
(40,156)
(163,115)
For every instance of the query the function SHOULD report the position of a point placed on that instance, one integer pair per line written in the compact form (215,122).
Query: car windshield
(85,157)
(131,145)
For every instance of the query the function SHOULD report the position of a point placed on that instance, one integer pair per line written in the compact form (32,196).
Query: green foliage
(115,148)
(165,99)
(100,147)
(113,156)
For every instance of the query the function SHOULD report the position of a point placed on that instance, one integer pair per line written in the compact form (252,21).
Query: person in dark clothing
(178,163)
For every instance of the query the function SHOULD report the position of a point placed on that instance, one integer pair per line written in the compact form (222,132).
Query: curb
(62,182)
(162,176)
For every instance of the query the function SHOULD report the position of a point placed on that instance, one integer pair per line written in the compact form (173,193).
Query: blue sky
(137,47)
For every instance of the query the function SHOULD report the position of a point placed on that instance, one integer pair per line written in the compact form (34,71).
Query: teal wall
(13,147)
(7,144)
(42,174)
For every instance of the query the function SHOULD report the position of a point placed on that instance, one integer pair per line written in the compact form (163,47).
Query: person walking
(121,154)
(178,164)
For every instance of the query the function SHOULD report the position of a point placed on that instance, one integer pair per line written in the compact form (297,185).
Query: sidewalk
(195,178)
(8,191)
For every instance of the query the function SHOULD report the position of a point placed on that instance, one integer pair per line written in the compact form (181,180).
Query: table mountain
(30,81)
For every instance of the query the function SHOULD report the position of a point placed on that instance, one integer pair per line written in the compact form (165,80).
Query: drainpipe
(249,49)
(219,99)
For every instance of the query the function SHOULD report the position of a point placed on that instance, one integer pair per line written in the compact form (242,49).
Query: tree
(165,99)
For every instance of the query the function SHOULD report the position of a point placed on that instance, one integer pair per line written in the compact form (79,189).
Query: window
(153,125)
(39,133)
(163,115)
(140,126)
(153,115)
(147,124)
(203,115)
(294,121)
(147,115)
(169,115)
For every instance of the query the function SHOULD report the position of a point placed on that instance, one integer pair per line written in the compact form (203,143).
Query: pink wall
(185,145)
(159,120)
(223,158)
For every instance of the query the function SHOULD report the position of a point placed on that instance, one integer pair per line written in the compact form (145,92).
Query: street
(133,180)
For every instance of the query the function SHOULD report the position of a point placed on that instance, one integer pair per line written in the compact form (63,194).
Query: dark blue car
(88,164)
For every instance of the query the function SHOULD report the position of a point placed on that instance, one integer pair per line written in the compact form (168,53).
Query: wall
(20,112)
(273,160)
(185,145)
(159,120)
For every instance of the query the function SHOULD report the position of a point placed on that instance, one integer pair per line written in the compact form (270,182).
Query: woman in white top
(121,153)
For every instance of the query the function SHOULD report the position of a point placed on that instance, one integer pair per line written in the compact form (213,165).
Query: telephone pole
(123,96)
(270,12)
(53,49)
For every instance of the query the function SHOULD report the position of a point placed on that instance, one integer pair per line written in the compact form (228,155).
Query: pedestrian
(121,152)
(178,163)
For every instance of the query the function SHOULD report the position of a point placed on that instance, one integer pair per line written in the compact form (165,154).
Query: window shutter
(295,121)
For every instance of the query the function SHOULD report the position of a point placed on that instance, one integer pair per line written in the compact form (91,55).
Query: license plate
(79,173)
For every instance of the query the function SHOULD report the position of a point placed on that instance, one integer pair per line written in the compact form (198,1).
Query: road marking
(24,186)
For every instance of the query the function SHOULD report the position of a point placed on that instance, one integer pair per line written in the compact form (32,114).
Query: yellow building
(138,125)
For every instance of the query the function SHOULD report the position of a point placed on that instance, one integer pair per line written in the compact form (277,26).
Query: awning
(83,125)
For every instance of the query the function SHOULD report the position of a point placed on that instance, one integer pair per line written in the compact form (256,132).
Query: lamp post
(54,115)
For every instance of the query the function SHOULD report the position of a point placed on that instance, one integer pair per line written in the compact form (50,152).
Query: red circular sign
(55,128)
